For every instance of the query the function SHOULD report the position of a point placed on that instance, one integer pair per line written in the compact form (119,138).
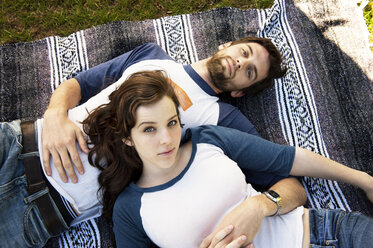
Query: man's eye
(244,53)
(149,129)
(172,123)
(249,72)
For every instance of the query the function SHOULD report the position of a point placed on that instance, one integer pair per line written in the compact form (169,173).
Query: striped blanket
(324,103)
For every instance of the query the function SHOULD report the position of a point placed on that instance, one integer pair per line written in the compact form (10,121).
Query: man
(243,66)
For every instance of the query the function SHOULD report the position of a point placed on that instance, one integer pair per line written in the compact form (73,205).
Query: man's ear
(128,141)
(222,46)
(237,93)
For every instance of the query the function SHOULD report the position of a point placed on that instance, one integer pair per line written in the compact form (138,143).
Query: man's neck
(201,68)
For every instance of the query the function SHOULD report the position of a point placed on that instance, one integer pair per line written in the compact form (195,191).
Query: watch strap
(276,198)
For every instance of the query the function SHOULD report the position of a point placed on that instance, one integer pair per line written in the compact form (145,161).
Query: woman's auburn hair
(109,124)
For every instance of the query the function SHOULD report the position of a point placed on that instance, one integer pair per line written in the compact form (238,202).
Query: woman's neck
(151,178)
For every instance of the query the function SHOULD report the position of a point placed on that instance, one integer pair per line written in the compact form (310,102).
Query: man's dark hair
(275,70)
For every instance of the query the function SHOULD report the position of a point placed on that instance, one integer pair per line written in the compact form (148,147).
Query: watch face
(273,194)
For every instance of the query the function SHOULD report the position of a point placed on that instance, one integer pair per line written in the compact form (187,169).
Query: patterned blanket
(324,103)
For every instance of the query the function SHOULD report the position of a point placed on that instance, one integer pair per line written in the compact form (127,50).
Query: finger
(74,156)
(237,243)
(82,142)
(47,166)
(67,165)
(221,235)
(206,242)
(58,165)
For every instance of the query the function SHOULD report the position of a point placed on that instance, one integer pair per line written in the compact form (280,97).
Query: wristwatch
(276,198)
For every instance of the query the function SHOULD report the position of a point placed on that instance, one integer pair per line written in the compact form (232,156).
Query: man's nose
(238,64)
(241,62)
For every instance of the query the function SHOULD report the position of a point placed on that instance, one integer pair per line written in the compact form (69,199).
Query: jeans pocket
(35,232)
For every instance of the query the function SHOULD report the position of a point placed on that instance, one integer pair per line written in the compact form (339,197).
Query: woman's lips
(166,153)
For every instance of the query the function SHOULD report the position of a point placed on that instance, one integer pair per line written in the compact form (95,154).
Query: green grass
(28,20)
(368,16)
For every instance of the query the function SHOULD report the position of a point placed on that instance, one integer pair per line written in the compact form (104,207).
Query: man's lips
(166,153)
(229,67)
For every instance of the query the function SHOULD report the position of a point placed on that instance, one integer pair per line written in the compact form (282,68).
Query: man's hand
(237,243)
(59,138)
(367,185)
(246,219)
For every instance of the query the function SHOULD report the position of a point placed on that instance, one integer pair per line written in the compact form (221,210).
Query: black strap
(36,181)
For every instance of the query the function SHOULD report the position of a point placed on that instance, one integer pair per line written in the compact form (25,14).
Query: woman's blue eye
(149,129)
(172,123)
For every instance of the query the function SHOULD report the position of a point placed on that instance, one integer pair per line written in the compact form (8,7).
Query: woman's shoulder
(128,200)
(211,134)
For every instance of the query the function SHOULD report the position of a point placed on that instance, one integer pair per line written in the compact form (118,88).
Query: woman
(157,191)
(34,207)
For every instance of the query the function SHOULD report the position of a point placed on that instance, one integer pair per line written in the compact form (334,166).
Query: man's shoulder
(149,51)
(150,45)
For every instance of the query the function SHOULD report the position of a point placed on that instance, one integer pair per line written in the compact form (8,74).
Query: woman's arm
(307,163)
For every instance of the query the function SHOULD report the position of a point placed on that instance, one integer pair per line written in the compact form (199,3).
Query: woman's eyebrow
(153,122)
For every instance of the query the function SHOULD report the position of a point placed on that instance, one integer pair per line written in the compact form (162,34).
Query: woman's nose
(165,137)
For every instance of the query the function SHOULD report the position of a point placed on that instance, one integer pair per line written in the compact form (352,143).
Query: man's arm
(247,217)
(307,163)
(60,133)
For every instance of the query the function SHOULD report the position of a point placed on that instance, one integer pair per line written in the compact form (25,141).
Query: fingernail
(230,227)
(243,238)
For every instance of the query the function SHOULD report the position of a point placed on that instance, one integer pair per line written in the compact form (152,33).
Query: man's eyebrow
(254,67)
(250,49)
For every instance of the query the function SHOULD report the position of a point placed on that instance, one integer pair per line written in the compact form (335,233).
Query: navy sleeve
(230,116)
(99,77)
(261,181)
(127,226)
(263,162)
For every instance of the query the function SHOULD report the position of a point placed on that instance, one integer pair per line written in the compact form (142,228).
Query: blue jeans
(21,224)
(336,228)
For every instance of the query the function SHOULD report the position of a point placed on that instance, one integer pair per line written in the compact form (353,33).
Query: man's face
(236,67)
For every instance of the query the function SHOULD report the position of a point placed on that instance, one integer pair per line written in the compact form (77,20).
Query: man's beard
(216,71)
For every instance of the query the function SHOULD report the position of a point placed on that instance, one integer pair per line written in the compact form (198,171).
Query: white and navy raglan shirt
(199,103)
(183,211)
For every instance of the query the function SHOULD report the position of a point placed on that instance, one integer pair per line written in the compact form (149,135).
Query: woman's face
(156,134)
